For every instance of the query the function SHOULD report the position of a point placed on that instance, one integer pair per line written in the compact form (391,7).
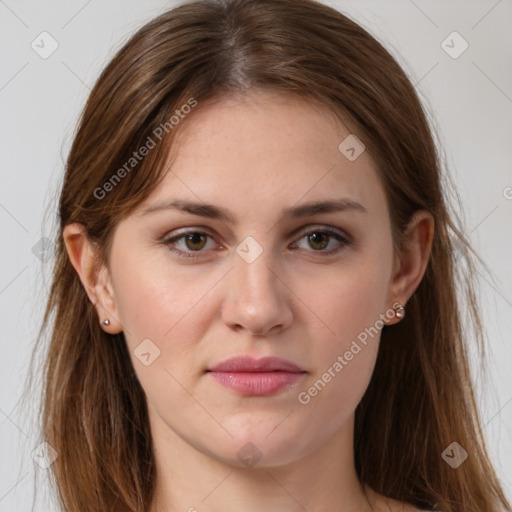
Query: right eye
(194,240)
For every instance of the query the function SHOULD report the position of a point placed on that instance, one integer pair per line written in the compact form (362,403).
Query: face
(313,289)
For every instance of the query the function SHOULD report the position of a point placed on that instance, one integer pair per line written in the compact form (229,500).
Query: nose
(256,299)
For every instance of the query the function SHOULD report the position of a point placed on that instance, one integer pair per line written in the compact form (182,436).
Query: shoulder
(381,503)
(399,506)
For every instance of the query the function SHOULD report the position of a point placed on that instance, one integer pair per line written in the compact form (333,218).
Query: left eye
(195,241)
(317,237)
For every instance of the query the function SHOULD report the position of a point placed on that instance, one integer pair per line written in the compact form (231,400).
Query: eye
(319,239)
(194,241)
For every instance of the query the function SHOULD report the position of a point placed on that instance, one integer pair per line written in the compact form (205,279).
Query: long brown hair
(420,398)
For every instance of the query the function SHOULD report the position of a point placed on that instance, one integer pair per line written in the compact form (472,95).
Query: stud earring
(399,311)
(106,322)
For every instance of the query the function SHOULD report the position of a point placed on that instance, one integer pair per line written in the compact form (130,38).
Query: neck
(193,480)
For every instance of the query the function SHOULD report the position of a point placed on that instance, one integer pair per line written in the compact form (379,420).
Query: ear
(94,275)
(411,262)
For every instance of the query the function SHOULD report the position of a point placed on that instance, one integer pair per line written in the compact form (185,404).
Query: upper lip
(251,364)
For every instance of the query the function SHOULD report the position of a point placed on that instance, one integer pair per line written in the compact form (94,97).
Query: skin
(256,156)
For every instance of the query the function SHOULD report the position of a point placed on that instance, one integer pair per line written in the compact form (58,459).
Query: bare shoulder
(381,503)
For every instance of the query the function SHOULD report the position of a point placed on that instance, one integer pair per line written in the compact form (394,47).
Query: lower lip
(256,383)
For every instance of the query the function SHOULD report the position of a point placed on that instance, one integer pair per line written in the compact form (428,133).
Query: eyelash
(196,254)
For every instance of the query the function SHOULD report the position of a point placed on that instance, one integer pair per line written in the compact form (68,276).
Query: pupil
(195,238)
(315,238)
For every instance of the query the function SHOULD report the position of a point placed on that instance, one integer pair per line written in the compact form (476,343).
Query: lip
(256,377)
(251,364)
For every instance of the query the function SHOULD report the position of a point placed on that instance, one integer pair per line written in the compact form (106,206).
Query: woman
(254,298)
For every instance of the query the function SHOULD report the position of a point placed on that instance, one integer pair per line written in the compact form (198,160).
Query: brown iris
(315,238)
(195,238)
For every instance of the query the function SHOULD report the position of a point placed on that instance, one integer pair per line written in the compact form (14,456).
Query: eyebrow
(295,212)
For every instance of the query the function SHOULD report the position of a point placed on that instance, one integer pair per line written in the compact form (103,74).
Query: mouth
(256,377)
(261,383)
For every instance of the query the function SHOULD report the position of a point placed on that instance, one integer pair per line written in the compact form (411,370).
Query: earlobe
(413,258)
(93,275)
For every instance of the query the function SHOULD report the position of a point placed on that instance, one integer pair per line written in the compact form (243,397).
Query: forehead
(266,149)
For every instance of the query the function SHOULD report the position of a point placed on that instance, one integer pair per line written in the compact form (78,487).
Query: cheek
(167,308)
(353,297)
(343,363)
(153,301)
(352,307)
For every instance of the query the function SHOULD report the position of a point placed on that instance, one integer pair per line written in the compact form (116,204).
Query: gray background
(470,98)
